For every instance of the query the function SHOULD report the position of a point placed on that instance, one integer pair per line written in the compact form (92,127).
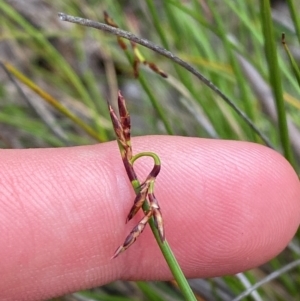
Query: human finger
(227,207)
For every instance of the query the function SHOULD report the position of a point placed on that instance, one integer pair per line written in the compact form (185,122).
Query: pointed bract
(159,224)
(133,235)
(157,215)
(125,121)
(109,21)
(138,201)
(117,126)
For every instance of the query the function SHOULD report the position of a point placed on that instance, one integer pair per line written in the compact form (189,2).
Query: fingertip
(227,206)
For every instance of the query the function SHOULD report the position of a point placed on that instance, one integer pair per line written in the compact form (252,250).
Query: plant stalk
(171,56)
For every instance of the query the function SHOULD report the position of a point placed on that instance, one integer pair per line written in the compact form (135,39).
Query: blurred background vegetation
(81,68)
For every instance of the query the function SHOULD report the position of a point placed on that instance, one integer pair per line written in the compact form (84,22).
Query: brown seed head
(158,220)
(138,201)
(133,235)
(117,126)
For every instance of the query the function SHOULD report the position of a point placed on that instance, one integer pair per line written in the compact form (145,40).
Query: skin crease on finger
(227,206)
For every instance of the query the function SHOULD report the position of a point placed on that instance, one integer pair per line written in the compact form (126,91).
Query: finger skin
(227,207)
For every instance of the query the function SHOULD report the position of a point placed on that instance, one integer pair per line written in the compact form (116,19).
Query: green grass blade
(275,78)
(293,63)
(174,58)
(53,102)
(295,17)
(164,246)
(240,79)
(149,291)
(102,297)
(54,56)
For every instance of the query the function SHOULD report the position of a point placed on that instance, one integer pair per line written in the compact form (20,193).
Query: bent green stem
(122,130)
(129,36)
(163,245)
(135,183)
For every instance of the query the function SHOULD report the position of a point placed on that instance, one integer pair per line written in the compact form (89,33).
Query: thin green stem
(295,17)
(146,154)
(241,83)
(171,56)
(293,62)
(156,105)
(152,98)
(52,101)
(275,78)
(128,161)
(173,264)
(54,56)
(164,246)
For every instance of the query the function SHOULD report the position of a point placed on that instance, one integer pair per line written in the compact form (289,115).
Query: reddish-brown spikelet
(109,21)
(121,43)
(126,151)
(138,201)
(136,60)
(126,125)
(122,130)
(133,235)
(156,69)
(129,169)
(117,127)
(135,66)
(157,215)
(124,118)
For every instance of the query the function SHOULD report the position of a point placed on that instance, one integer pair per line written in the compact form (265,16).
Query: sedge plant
(145,197)
(144,191)
(208,49)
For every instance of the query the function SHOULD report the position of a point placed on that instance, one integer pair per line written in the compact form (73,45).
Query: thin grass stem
(144,191)
(171,56)
(52,101)
(57,131)
(163,245)
(275,78)
(267,279)
(53,55)
(295,17)
(146,154)
(293,63)
(140,77)
(240,80)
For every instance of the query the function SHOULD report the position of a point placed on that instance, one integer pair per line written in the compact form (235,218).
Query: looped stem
(146,154)
(156,168)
